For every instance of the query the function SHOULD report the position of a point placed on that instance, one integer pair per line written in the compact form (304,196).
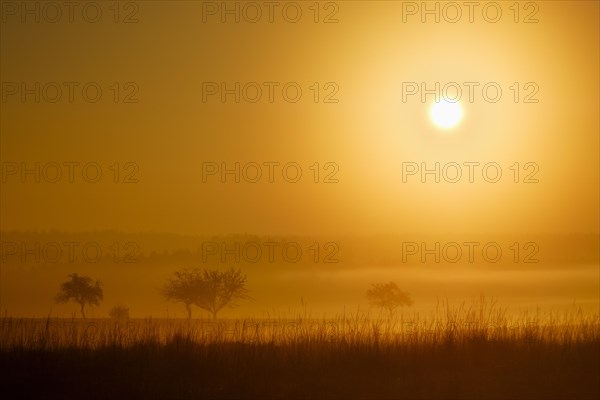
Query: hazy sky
(170,59)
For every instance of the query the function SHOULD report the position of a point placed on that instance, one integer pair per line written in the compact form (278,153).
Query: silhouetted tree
(222,289)
(388,296)
(119,312)
(82,290)
(210,290)
(183,287)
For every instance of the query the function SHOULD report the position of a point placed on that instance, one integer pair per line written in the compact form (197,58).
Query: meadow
(471,350)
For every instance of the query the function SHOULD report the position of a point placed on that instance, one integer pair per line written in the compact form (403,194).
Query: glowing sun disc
(445,114)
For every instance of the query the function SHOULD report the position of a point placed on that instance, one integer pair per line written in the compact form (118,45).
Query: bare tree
(211,290)
(183,287)
(82,290)
(388,296)
(221,289)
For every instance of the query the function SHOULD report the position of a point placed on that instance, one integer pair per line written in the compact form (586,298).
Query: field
(460,352)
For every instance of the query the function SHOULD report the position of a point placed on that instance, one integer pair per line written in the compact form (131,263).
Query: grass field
(475,351)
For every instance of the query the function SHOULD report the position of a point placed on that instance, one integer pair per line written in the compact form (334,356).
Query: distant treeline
(111,246)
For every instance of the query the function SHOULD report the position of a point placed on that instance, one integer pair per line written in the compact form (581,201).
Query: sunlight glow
(445,114)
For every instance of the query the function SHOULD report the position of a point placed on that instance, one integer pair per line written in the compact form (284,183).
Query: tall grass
(469,350)
(481,320)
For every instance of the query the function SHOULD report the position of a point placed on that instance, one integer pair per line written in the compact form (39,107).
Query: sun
(445,114)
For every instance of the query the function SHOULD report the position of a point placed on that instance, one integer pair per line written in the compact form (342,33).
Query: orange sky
(369,133)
